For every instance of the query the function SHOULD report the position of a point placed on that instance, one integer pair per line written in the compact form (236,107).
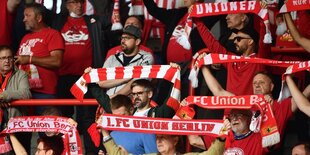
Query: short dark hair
(54,143)
(141,21)
(6,47)
(38,9)
(146,84)
(120,101)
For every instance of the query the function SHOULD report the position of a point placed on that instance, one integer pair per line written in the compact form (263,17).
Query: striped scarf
(293,5)
(155,71)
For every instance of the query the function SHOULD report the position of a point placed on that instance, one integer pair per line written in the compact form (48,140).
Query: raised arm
(302,41)
(12,5)
(17,146)
(299,99)
(213,84)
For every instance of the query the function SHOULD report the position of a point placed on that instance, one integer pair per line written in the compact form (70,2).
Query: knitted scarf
(267,126)
(302,66)
(116,18)
(213,58)
(211,9)
(293,5)
(72,142)
(155,71)
(160,125)
(136,8)
(4,142)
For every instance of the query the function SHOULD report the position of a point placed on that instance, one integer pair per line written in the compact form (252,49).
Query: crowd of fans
(46,56)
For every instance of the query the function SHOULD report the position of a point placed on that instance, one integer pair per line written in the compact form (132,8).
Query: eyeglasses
(137,94)
(238,38)
(126,38)
(9,58)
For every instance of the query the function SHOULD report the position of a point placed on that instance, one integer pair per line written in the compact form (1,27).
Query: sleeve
(162,14)
(100,95)
(264,50)
(217,148)
(56,41)
(113,149)
(23,88)
(208,39)
(149,143)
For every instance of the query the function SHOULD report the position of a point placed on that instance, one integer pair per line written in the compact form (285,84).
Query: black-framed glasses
(126,38)
(238,38)
(9,58)
(138,94)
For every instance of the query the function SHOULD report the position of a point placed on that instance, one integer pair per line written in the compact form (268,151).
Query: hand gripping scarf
(302,66)
(295,5)
(266,125)
(71,137)
(213,58)
(211,9)
(136,8)
(116,17)
(154,71)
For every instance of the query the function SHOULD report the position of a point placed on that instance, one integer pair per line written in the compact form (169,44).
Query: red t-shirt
(40,44)
(77,47)
(175,51)
(251,145)
(6,20)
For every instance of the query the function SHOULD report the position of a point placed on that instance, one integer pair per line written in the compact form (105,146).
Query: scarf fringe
(271,139)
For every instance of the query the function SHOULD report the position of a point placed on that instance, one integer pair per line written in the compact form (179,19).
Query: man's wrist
(106,138)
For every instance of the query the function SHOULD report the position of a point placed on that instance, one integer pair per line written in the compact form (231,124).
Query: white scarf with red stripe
(266,126)
(302,66)
(136,8)
(295,5)
(71,136)
(211,9)
(214,58)
(116,17)
(161,125)
(155,71)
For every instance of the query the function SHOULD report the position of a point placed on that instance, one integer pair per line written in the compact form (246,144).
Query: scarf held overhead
(213,58)
(211,9)
(48,124)
(161,125)
(295,5)
(268,129)
(154,71)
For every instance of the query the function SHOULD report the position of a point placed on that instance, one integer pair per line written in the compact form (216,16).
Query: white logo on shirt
(25,48)
(69,36)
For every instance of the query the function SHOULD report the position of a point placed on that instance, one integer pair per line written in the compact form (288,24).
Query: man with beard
(142,92)
(239,74)
(131,55)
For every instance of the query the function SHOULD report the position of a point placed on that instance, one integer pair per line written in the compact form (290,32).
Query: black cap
(133,30)
(252,33)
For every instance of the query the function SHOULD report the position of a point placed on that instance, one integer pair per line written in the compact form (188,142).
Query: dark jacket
(96,32)
(170,18)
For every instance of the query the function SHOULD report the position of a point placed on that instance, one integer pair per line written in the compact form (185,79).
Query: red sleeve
(264,50)
(209,40)
(56,41)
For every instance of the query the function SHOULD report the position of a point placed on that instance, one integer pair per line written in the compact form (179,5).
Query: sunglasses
(238,38)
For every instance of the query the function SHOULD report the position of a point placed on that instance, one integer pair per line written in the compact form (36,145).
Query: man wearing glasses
(14,86)
(131,55)
(239,74)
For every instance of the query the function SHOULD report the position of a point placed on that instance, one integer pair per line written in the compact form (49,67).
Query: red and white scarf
(214,58)
(116,17)
(4,142)
(268,128)
(294,5)
(161,125)
(154,71)
(136,8)
(302,66)
(211,9)
(48,124)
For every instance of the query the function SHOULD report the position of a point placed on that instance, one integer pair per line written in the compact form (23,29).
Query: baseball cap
(132,30)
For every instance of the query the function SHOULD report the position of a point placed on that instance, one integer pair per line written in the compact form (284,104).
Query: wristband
(106,138)
(30,59)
